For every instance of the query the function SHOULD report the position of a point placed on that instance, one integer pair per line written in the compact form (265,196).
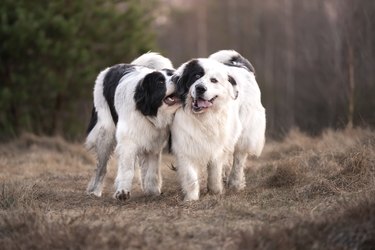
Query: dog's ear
(169,72)
(149,93)
(240,61)
(234,87)
(175,79)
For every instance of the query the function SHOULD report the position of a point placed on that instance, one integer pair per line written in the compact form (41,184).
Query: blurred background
(314,60)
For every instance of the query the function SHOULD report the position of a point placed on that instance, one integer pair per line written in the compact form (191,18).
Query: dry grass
(303,193)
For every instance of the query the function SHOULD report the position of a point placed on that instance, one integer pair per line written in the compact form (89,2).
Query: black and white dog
(222,116)
(134,105)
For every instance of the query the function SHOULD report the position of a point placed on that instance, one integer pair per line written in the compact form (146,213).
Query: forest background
(314,60)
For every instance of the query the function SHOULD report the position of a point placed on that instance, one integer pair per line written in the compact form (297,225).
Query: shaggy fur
(134,105)
(222,118)
(208,126)
(251,113)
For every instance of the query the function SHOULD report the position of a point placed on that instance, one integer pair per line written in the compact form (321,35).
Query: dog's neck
(210,121)
(158,123)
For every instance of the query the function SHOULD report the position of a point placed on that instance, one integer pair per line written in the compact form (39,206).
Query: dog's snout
(200,89)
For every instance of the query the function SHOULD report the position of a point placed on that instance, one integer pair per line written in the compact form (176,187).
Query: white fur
(153,60)
(204,139)
(252,116)
(137,136)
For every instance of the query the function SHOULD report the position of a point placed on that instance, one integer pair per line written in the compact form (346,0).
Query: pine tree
(51,52)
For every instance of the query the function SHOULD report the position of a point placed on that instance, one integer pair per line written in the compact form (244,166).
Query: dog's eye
(160,81)
(197,76)
(213,80)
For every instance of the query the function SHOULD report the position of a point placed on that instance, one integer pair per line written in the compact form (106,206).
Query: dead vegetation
(303,193)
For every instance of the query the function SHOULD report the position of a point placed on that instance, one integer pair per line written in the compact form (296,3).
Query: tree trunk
(351,86)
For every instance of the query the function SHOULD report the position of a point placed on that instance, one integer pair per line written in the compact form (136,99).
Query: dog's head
(232,58)
(204,84)
(156,93)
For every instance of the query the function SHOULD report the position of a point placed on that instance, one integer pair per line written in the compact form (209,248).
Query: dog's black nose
(200,89)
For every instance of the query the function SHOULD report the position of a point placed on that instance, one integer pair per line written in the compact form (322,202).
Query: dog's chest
(202,137)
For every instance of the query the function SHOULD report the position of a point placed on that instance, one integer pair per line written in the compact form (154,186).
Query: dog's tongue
(203,103)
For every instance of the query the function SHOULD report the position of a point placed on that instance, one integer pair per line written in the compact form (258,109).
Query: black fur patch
(232,81)
(234,84)
(93,120)
(170,143)
(175,79)
(111,80)
(239,61)
(169,72)
(149,93)
(192,72)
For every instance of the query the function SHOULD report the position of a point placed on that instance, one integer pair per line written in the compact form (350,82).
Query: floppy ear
(234,87)
(175,79)
(149,93)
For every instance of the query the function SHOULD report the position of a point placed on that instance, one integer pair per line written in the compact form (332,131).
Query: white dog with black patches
(134,105)
(206,129)
(216,120)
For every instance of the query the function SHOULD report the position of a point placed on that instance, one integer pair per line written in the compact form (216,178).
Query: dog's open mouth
(201,104)
(171,100)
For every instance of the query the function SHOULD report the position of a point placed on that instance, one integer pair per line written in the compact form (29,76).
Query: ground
(302,193)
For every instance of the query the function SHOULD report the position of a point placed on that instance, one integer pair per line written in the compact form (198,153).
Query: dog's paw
(94,193)
(216,190)
(191,197)
(236,185)
(94,189)
(122,195)
(152,192)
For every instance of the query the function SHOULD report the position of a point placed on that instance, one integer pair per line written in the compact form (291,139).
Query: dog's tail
(154,61)
(94,113)
(101,128)
(232,58)
(93,120)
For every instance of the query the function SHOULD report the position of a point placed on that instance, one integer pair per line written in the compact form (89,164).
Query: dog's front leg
(151,176)
(214,176)
(126,155)
(189,179)
(236,179)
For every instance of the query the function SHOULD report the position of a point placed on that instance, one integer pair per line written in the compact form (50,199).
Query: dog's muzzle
(199,101)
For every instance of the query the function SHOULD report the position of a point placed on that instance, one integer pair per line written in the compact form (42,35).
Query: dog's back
(153,60)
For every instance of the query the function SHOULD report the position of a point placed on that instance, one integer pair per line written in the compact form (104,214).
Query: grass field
(302,193)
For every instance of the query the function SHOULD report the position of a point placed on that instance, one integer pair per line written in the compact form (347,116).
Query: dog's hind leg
(101,140)
(237,178)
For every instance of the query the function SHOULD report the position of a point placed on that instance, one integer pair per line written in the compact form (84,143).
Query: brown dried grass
(302,193)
